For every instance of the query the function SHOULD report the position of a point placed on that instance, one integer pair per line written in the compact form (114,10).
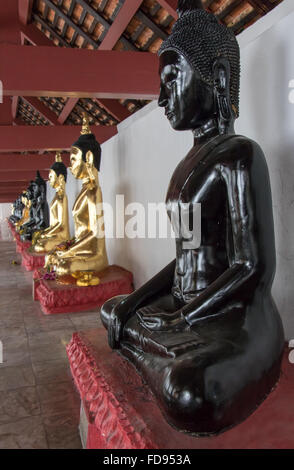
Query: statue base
(20,245)
(119,412)
(59,298)
(11,227)
(32,261)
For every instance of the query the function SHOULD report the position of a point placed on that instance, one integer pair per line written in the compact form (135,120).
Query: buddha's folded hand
(154,319)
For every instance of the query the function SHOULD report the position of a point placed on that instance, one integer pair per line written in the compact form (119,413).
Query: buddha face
(35,190)
(188,101)
(77,164)
(53,179)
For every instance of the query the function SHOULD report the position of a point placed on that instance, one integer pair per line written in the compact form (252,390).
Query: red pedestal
(20,245)
(121,413)
(57,298)
(32,261)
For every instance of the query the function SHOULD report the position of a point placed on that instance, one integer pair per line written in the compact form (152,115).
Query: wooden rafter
(41,138)
(43,110)
(25,10)
(119,25)
(170,6)
(29,162)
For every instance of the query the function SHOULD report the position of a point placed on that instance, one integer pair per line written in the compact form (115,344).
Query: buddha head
(58,173)
(37,188)
(199,71)
(85,153)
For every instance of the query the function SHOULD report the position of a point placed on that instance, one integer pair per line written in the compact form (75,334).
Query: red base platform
(119,412)
(57,298)
(32,261)
(20,245)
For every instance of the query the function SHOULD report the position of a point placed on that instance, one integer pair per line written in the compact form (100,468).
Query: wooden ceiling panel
(85,24)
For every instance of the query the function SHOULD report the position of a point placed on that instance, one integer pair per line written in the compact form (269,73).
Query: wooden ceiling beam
(22,175)
(122,19)
(38,138)
(226,11)
(42,109)
(6,117)
(170,6)
(34,36)
(113,34)
(13,186)
(85,73)
(9,22)
(128,45)
(15,100)
(151,25)
(29,162)
(240,25)
(262,6)
(70,23)
(113,107)
(68,108)
(25,10)
(53,33)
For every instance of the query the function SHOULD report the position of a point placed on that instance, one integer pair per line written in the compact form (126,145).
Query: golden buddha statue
(87,253)
(26,211)
(58,231)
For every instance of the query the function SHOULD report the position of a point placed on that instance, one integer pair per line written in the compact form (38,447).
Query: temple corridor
(39,407)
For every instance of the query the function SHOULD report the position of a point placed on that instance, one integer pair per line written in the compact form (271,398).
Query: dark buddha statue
(17,209)
(205,333)
(39,210)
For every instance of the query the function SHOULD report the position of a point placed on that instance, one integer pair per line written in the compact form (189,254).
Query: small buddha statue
(25,214)
(58,231)
(17,209)
(39,210)
(205,333)
(88,251)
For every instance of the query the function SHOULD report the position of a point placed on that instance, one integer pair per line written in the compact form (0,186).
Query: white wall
(267,116)
(5,211)
(139,161)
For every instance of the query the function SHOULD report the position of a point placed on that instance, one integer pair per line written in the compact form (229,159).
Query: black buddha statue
(17,209)
(205,333)
(39,210)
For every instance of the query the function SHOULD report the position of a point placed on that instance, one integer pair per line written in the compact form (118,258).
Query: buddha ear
(90,158)
(221,86)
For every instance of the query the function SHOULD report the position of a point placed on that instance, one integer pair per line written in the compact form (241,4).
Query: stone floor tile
(59,398)
(56,371)
(62,432)
(19,403)
(16,377)
(28,433)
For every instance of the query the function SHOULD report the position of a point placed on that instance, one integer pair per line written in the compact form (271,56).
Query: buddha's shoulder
(239,148)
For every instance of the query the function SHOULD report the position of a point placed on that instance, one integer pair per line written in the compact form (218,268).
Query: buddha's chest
(196,183)
(80,209)
(54,207)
